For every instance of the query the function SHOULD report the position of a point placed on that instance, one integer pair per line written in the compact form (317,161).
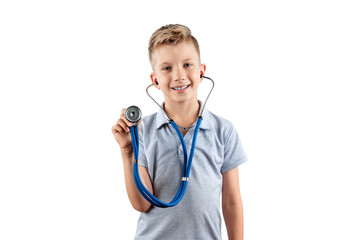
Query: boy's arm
(232,205)
(137,201)
(121,133)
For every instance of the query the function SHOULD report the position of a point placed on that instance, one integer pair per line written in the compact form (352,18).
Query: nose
(178,74)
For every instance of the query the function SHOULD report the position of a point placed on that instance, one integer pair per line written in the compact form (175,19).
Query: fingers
(122,116)
(120,127)
(116,129)
(122,124)
(127,121)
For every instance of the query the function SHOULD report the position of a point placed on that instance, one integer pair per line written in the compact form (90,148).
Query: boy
(175,59)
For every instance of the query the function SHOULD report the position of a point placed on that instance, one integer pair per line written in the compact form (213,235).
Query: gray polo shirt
(197,216)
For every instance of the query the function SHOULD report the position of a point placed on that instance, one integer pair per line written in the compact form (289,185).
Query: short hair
(171,34)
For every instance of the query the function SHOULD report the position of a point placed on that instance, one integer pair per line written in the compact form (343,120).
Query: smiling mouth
(181,88)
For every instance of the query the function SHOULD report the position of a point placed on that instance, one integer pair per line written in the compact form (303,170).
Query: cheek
(196,78)
(195,74)
(164,84)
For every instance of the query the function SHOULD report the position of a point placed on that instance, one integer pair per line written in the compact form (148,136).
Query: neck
(184,114)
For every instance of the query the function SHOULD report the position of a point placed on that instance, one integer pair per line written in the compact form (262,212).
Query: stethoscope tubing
(187,161)
(185,172)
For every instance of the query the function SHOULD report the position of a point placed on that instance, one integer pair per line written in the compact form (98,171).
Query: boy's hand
(122,134)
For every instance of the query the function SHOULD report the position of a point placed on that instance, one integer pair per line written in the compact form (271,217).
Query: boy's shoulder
(217,120)
(221,126)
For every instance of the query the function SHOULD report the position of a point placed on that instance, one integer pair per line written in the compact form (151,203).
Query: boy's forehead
(181,51)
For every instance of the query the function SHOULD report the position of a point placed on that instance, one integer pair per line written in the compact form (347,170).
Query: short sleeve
(234,154)
(142,157)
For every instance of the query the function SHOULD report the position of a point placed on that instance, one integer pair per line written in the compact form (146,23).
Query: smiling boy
(177,71)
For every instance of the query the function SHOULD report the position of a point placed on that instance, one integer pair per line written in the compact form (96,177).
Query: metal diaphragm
(133,114)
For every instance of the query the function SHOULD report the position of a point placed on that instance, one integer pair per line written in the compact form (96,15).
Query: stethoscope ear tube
(203,108)
(185,173)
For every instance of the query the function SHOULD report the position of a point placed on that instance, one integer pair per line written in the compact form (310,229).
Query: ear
(154,80)
(202,70)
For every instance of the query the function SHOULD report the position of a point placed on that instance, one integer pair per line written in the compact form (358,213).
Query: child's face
(177,69)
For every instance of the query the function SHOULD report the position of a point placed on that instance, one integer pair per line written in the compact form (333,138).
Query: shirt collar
(162,120)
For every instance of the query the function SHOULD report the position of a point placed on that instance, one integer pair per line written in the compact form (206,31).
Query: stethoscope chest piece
(133,114)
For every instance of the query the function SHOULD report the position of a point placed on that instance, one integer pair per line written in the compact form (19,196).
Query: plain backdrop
(287,76)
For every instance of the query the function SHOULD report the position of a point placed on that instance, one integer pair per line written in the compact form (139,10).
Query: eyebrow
(188,59)
(166,63)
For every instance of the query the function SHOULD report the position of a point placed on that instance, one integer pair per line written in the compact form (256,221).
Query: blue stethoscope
(133,114)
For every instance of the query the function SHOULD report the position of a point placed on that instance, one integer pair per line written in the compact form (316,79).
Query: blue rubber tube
(185,171)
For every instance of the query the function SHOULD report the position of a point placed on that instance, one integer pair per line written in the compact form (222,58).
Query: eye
(187,65)
(166,68)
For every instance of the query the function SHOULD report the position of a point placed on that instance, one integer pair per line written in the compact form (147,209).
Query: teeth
(181,88)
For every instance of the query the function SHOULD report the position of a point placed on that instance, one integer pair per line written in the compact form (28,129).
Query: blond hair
(171,34)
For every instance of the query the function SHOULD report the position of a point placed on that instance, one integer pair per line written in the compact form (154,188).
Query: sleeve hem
(142,163)
(234,164)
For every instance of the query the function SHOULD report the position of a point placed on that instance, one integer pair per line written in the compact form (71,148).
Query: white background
(287,75)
